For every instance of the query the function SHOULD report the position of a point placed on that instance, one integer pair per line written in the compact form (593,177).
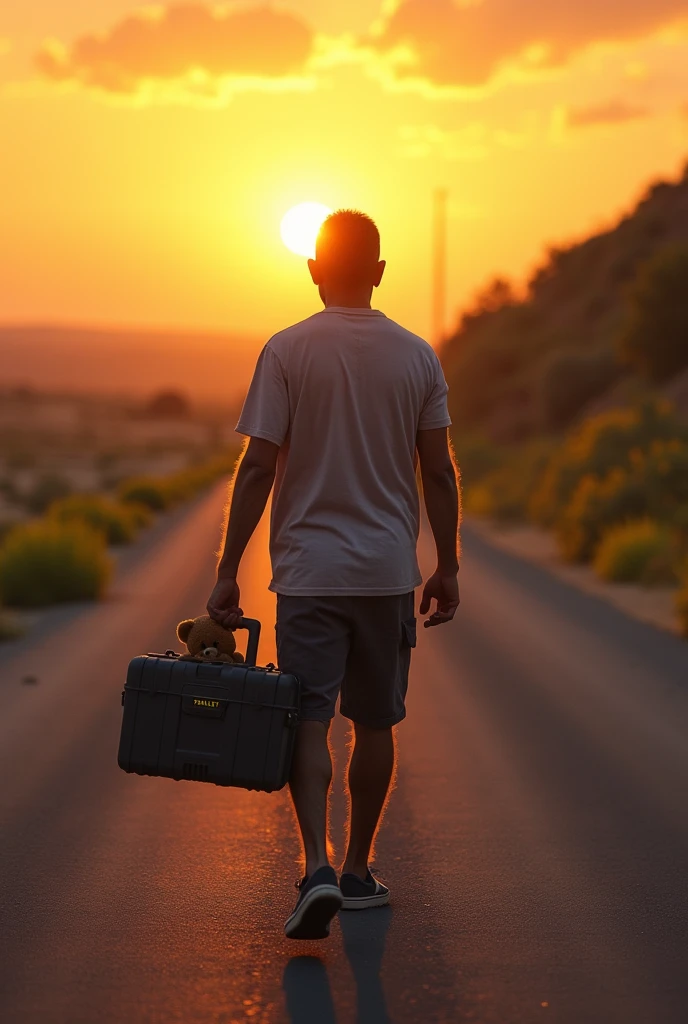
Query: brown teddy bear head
(207,640)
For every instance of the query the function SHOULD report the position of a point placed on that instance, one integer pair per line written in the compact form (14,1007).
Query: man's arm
(250,490)
(442,502)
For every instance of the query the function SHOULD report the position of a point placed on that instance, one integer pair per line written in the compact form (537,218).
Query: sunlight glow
(300,227)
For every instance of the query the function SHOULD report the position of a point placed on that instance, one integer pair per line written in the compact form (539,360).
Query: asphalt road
(536,845)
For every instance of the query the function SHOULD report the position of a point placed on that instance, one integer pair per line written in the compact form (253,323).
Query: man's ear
(379,272)
(184,629)
(315,271)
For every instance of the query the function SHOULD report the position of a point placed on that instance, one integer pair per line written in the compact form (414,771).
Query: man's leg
(309,782)
(313,643)
(319,895)
(373,698)
(370,773)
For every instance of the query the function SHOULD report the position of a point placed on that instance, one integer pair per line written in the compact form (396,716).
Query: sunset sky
(148,153)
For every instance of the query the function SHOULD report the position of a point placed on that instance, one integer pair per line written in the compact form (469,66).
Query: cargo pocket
(408,633)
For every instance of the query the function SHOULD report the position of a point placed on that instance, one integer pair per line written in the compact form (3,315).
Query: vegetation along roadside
(63,555)
(570,403)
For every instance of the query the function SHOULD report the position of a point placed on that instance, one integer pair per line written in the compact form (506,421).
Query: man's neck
(347,298)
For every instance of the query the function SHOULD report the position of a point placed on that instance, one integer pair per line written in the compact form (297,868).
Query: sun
(300,227)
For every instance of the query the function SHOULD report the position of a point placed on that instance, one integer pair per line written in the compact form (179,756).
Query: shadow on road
(307,988)
(307,985)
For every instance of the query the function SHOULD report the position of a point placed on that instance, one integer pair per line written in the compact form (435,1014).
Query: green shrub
(48,562)
(149,491)
(682,605)
(478,500)
(595,506)
(601,444)
(504,494)
(47,490)
(654,484)
(637,552)
(477,457)
(679,523)
(196,478)
(141,515)
(570,380)
(182,486)
(655,337)
(115,520)
(6,526)
(159,493)
(10,629)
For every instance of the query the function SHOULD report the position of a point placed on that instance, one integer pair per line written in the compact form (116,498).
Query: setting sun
(300,227)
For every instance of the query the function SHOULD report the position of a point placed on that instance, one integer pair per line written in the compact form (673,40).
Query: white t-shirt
(344,395)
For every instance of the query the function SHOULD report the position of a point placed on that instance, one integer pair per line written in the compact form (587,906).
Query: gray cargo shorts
(359,646)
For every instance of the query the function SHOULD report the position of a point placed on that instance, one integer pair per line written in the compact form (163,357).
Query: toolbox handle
(253,627)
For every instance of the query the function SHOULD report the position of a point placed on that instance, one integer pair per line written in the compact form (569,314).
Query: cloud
(465,44)
(473,142)
(613,112)
(421,140)
(193,44)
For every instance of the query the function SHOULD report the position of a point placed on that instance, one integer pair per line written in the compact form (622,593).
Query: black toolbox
(229,724)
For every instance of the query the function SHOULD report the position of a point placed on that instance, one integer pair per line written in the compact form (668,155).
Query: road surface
(536,846)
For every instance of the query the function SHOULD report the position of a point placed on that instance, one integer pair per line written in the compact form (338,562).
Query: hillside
(132,362)
(519,367)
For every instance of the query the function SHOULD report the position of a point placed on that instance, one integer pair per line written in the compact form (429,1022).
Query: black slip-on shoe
(319,900)
(360,894)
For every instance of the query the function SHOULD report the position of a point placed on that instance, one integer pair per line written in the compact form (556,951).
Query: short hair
(348,244)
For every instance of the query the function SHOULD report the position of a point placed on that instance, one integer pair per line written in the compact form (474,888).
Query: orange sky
(147,158)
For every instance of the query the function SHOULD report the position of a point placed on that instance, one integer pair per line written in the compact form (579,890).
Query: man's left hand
(223,604)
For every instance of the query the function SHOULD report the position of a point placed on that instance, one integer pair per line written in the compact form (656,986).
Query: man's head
(347,256)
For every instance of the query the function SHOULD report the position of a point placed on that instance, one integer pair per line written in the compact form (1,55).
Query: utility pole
(439,268)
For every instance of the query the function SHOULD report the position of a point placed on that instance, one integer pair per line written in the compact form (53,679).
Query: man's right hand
(223,605)
(444,590)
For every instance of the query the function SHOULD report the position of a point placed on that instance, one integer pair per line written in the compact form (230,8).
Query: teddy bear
(206,640)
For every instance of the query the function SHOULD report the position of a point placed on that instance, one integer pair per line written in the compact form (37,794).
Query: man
(339,409)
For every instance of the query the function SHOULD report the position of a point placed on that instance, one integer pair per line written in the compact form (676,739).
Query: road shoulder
(654,606)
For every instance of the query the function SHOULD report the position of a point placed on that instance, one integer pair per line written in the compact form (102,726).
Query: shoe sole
(365,902)
(311,919)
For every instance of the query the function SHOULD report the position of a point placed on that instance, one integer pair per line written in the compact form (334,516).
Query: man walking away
(339,409)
